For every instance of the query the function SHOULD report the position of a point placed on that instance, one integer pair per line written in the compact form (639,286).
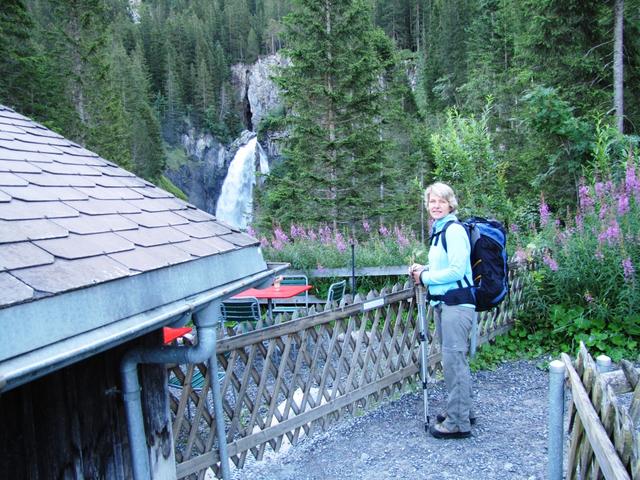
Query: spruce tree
(334,152)
(173,106)
(18,57)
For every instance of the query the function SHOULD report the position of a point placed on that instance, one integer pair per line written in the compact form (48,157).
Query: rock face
(255,90)
(201,177)
(207,162)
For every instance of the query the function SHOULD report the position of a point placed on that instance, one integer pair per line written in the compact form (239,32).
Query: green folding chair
(287,307)
(336,292)
(241,313)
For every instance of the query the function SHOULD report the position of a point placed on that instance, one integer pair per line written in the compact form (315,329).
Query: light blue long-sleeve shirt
(448,267)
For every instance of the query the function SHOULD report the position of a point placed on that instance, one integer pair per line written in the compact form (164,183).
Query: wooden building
(94,261)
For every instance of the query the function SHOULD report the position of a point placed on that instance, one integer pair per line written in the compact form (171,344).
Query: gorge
(219,178)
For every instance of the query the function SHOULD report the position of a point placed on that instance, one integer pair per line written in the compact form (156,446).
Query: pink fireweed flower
(295,233)
(579,223)
(628,269)
(599,188)
(611,234)
(608,187)
(325,235)
(513,228)
(545,214)
(520,256)
(312,235)
(280,235)
(400,237)
(604,210)
(384,231)
(631,184)
(550,262)
(564,235)
(251,231)
(339,242)
(365,226)
(277,244)
(264,243)
(588,297)
(623,204)
(586,201)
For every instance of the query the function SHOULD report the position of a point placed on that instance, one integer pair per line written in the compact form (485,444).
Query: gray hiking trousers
(453,325)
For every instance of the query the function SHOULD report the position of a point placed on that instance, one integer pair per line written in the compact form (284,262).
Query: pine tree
(173,105)
(109,132)
(146,140)
(334,151)
(445,52)
(253,46)
(204,97)
(18,57)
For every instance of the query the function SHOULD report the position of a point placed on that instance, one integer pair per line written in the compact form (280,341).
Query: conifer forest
(510,101)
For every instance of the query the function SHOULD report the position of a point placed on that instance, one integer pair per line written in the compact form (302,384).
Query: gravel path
(509,441)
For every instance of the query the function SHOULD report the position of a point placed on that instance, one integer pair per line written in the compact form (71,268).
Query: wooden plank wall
(604,432)
(286,380)
(71,424)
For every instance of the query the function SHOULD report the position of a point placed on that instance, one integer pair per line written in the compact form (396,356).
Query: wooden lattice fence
(285,380)
(605,436)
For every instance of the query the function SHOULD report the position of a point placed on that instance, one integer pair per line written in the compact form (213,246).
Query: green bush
(587,286)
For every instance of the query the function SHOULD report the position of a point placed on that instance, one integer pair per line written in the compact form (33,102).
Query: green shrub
(587,285)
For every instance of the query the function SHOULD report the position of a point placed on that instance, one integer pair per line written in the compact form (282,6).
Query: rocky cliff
(255,90)
(200,173)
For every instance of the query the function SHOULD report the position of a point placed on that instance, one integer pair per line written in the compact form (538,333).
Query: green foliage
(464,157)
(176,157)
(445,51)
(586,288)
(563,144)
(166,184)
(272,122)
(22,64)
(517,344)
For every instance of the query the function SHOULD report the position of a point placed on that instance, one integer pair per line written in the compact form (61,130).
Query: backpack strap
(433,240)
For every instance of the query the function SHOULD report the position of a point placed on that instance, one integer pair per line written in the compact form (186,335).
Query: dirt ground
(509,441)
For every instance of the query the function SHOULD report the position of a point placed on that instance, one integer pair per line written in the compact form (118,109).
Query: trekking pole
(424,358)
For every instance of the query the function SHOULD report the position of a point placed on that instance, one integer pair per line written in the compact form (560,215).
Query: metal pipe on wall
(205,320)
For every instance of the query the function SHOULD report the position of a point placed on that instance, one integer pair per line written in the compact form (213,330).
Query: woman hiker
(448,278)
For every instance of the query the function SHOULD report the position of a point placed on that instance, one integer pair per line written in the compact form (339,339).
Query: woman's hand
(415,271)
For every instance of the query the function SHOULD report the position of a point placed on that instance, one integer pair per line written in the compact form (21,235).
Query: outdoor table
(273,292)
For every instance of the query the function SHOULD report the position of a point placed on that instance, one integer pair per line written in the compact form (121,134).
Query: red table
(269,293)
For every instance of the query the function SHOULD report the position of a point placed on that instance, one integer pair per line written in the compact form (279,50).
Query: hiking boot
(440,431)
(441,417)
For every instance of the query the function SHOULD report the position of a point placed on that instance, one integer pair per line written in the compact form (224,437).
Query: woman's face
(438,207)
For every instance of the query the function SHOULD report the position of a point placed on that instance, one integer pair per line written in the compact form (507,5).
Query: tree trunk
(618,69)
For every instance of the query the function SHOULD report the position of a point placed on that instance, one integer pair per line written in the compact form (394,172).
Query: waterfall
(235,204)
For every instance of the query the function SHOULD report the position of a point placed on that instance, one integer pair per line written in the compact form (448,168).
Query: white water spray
(235,204)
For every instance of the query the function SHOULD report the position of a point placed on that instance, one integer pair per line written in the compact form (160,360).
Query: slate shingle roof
(71,219)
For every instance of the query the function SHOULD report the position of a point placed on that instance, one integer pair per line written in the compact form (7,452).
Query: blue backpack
(488,239)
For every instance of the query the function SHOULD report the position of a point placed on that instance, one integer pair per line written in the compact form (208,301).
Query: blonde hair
(442,190)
